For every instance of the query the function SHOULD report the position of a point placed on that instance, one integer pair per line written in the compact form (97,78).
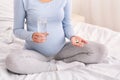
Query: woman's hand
(39,37)
(78,41)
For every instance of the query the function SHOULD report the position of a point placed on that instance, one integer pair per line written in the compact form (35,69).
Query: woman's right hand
(39,37)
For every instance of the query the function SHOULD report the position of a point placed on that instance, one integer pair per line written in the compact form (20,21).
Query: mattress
(109,69)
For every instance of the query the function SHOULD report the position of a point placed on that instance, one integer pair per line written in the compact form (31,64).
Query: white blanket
(109,69)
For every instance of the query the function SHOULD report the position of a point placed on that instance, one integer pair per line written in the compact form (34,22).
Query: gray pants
(29,61)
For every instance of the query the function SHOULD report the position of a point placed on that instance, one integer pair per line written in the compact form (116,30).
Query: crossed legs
(29,61)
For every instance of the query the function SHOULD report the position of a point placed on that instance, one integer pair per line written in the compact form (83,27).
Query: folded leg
(28,61)
(91,53)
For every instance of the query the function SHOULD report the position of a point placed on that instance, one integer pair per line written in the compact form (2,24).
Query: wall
(76,6)
(105,13)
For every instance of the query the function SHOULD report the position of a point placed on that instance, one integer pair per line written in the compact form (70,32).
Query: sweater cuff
(29,38)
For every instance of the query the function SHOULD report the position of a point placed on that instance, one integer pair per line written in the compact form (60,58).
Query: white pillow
(6,33)
(6,9)
(6,20)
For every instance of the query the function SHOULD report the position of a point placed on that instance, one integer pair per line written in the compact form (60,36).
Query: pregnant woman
(42,46)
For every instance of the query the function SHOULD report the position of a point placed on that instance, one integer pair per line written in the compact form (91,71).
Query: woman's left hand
(78,41)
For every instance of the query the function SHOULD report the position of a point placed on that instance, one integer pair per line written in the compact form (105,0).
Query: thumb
(85,41)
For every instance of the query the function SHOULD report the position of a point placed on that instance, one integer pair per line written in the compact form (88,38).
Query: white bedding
(107,70)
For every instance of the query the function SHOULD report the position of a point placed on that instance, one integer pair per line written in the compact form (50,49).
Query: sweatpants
(30,61)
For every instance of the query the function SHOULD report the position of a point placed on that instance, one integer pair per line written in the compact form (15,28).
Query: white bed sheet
(107,70)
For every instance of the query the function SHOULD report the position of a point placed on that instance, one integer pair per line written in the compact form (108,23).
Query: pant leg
(90,53)
(28,61)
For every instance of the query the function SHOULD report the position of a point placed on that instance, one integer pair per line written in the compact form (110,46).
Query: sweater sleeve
(19,19)
(69,32)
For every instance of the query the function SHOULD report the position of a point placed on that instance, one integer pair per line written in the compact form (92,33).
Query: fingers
(84,41)
(39,40)
(40,34)
(77,41)
(79,44)
(39,37)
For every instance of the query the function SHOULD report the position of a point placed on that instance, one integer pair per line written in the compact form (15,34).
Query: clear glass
(42,24)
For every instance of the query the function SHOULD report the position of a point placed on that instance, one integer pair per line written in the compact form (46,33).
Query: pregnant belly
(54,43)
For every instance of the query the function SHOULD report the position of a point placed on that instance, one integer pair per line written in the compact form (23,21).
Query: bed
(109,69)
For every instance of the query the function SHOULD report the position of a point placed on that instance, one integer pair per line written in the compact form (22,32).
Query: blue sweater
(58,14)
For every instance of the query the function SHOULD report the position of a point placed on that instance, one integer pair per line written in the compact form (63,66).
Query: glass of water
(42,25)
